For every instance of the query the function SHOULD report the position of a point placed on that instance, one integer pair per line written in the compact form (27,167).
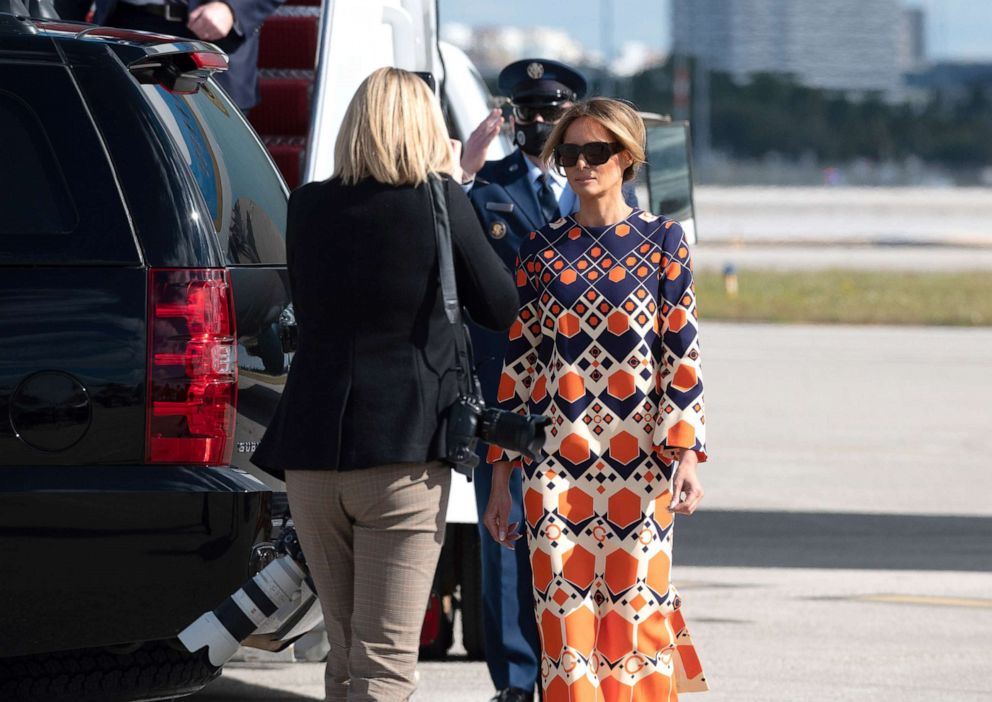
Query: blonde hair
(393,132)
(619,118)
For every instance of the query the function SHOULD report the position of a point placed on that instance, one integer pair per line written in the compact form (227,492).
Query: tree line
(772,113)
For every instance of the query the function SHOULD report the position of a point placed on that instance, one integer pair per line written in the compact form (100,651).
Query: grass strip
(850,297)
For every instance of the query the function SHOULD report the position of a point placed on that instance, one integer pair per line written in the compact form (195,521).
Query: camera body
(469,420)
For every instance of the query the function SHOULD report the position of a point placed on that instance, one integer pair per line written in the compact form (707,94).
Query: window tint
(59,200)
(34,197)
(242,189)
(668,170)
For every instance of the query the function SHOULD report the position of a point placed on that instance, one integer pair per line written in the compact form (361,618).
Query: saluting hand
(211,21)
(456,155)
(474,151)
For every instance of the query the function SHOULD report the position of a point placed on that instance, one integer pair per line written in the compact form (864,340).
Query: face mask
(532,137)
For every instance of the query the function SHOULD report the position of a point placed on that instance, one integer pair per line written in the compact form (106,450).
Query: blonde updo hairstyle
(619,118)
(393,132)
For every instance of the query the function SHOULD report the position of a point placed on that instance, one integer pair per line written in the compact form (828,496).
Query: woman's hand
(687,482)
(474,156)
(456,156)
(497,516)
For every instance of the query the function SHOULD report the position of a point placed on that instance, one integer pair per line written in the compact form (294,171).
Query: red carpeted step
(289,39)
(287,56)
(284,109)
(288,153)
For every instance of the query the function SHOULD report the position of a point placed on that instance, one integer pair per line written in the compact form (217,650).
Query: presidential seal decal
(535,70)
(497,230)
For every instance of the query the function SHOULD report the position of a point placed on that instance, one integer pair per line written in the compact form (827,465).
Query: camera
(279,599)
(470,420)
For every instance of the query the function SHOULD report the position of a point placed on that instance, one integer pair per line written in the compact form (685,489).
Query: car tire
(156,670)
(470,604)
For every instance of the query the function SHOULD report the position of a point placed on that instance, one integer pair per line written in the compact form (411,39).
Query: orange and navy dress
(606,345)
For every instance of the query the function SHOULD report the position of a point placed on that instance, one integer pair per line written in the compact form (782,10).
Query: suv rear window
(34,196)
(58,196)
(242,188)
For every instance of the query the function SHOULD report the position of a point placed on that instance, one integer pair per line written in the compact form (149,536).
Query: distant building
(912,42)
(635,57)
(912,57)
(492,48)
(845,45)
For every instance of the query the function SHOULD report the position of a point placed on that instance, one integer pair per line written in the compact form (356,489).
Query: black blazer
(374,370)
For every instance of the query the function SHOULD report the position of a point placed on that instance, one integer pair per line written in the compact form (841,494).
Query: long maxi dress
(606,345)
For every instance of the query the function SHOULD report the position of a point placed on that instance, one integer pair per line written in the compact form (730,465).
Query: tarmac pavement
(795,228)
(830,215)
(844,547)
(715,256)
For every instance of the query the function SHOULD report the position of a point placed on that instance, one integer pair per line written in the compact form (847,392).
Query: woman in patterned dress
(605,344)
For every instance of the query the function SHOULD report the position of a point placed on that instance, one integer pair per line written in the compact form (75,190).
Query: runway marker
(974,602)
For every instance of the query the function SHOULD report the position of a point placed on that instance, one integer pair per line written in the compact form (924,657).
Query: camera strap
(449,285)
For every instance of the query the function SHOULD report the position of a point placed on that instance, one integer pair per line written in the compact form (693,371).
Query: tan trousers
(371,538)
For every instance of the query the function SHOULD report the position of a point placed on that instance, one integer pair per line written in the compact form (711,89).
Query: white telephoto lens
(222,630)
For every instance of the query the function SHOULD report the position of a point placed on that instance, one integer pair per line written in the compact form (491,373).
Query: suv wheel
(156,670)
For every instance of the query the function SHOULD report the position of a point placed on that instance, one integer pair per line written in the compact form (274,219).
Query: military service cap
(541,82)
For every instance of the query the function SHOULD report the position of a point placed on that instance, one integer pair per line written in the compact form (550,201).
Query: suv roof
(34,38)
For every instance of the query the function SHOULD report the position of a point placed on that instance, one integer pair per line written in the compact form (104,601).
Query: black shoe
(513,694)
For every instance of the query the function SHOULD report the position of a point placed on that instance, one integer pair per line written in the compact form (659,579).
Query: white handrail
(404,38)
(319,102)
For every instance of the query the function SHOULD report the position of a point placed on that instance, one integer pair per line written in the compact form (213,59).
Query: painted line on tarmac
(973,602)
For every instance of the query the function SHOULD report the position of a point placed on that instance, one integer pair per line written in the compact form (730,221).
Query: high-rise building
(912,42)
(847,45)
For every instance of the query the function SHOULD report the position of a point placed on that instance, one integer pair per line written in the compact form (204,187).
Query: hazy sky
(956,29)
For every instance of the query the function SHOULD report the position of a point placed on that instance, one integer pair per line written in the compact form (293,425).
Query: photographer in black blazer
(358,432)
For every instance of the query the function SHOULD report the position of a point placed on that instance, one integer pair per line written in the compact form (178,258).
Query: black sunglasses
(428,78)
(550,113)
(596,153)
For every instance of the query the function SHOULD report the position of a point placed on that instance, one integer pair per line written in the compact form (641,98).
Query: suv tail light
(177,71)
(192,367)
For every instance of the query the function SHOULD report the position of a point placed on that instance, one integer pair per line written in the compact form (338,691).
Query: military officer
(513,197)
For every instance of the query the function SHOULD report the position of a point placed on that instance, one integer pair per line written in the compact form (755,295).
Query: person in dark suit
(513,197)
(359,431)
(233,25)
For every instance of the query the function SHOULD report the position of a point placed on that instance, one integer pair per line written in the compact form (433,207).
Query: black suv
(145,336)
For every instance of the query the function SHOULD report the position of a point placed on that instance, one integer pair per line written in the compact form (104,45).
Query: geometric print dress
(605,344)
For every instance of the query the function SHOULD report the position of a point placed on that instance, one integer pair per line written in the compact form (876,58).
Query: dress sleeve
(681,420)
(520,363)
